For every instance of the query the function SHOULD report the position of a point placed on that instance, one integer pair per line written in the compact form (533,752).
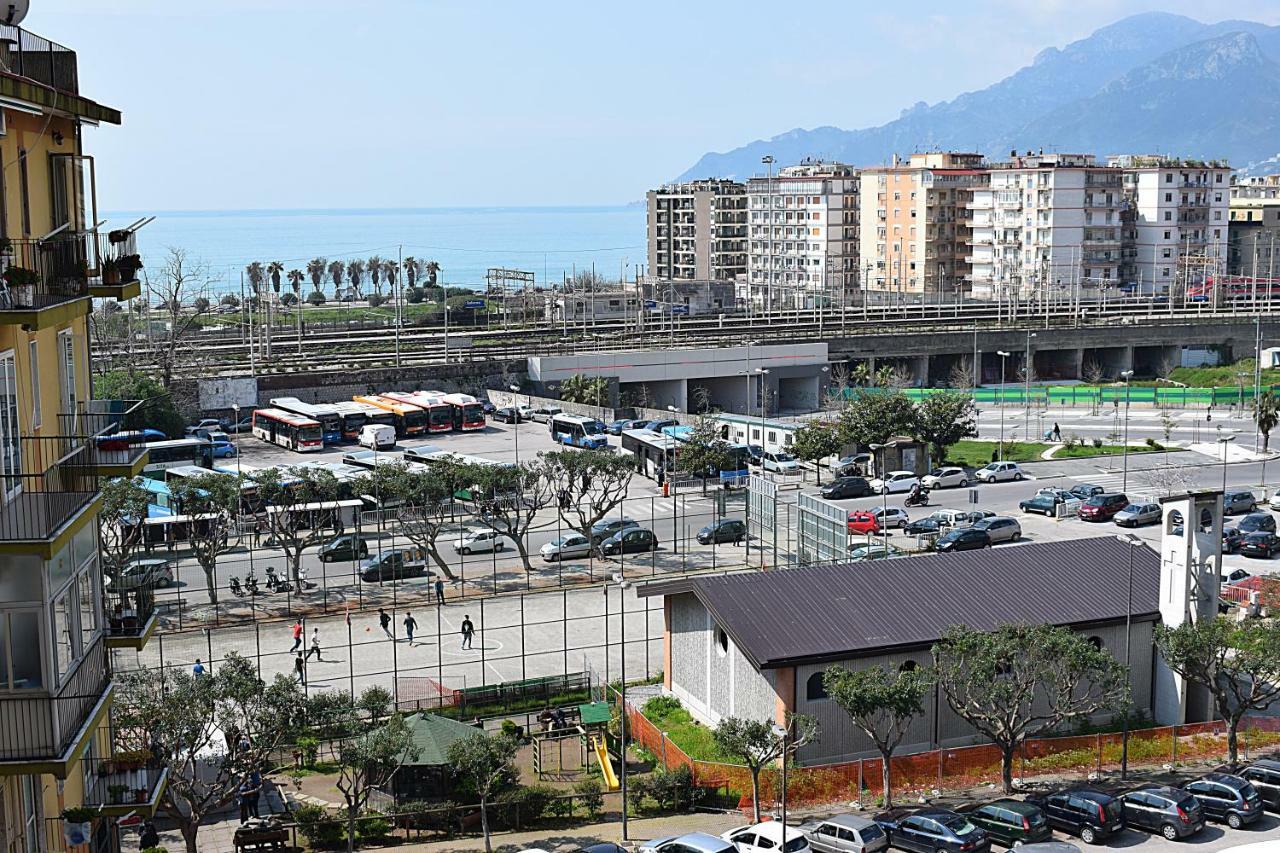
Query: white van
(377,436)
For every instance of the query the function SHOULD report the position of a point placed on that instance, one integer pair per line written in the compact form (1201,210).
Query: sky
(234,104)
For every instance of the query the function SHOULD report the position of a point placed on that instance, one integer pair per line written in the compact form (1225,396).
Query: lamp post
(884,491)
(515,429)
(623,586)
(784,732)
(1224,440)
(1026,388)
(1132,541)
(1126,375)
(1000,444)
(235,407)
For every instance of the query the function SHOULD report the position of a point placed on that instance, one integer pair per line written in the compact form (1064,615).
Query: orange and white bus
(296,432)
(439,413)
(410,420)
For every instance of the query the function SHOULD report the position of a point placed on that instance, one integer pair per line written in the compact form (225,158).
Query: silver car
(1000,528)
(1137,515)
(1234,503)
(845,833)
(568,547)
(144,573)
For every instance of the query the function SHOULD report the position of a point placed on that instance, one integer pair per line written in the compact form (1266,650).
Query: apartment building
(803,249)
(1254,229)
(58,618)
(697,230)
(1045,225)
(1175,229)
(915,224)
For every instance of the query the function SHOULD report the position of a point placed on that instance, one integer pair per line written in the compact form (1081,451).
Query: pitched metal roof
(820,613)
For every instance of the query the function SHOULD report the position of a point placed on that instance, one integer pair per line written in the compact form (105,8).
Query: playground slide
(606,766)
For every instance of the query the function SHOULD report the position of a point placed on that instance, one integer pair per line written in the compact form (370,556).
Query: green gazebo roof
(433,736)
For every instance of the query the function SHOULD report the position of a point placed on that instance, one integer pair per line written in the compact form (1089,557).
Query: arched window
(1096,642)
(908,666)
(814,689)
(722,642)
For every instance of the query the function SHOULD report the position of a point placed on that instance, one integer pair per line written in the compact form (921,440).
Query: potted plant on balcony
(131,759)
(129,266)
(140,795)
(21,282)
(117,793)
(77,825)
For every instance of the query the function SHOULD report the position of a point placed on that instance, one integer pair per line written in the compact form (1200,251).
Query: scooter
(276,583)
(251,584)
(236,589)
(920,498)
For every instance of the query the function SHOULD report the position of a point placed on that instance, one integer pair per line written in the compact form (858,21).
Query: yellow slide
(606,767)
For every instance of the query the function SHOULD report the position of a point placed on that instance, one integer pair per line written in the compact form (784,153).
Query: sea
(551,242)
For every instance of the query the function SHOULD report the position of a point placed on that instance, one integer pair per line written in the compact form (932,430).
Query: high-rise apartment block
(1253,236)
(1176,229)
(698,230)
(1045,224)
(914,223)
(803,247)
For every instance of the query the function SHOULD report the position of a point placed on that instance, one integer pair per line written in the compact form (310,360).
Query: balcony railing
(124,782)
(38,724)
(40,274)
(62,484)
(36,58)
(101,417)
(130,614)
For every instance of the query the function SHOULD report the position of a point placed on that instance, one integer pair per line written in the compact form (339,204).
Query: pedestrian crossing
(1136,489)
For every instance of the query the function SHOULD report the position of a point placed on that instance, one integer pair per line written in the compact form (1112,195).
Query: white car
(479,542)
(543,414)
(766,837)
(945,478)
(783,463)
(895,481)
(890,516)
(1231,576)
(377,436)
(998,472)
(526,412)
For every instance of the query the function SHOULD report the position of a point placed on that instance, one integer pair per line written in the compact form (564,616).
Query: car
(998,472)
(693,842)
(845,833)
(616,427)
(525,411)
(1102,507)
(962,539)
(779,461)
(755,455)
(544,414)
(847,487)
(630,540)
(890,516)
(895,481)
(393,565)
(567,547)
(1262,544)
(724,530)
(1172,812)
(1045,502)
(348,546)
(863,521)
(1264,775)
(1227,798)
(1234,576)
(932,830)
(1274,502)
(479,542)
(876,551)
(767,837)
(658,424)
(959,517)
(606,527)
(1238,502)
(1089,814)
(929,526)
(860,460)
(1010,822)
(487,407)
(1000,528)
(508,415)
(1049,847)
(224,450)
(1256,522)
(1084,491)
(377,436)
(1230,539)
(1138,515)
(945,478)
(143,573)
(205,424)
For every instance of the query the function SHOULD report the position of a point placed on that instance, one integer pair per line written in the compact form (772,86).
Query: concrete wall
(709,674)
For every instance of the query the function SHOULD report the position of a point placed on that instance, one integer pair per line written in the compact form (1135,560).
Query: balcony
(131,617)
(44,283)
(115,275)
(103,426)
(46,729)
(41,506)
(125,783)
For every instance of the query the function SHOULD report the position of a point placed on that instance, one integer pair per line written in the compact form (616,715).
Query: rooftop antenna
(14,11)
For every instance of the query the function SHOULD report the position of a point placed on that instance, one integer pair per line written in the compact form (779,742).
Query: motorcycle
(275,583)
(920,498)
(251,584)
(235,588)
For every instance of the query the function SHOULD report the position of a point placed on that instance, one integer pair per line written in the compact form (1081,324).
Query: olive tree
(591,484)
(482,764)
(368,762)
(944,418)
(705,453)
(815,441)
(756,745)
(286,490)
(425,499)
(513,495)
(124,508)
(212,502)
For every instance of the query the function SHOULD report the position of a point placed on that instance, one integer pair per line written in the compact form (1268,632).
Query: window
(67,369)
(1168,216)
(10,446)
(814,689)
(33,365)
(65,642)
(1096,642)
(30,796)
(88,609)
(722,641)
(908,666)
(24,187)
(1169,197)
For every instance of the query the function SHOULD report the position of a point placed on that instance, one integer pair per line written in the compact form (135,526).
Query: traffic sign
(473,303)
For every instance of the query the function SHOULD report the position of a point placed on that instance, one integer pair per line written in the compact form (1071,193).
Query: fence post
(1099,737)
(1174,743)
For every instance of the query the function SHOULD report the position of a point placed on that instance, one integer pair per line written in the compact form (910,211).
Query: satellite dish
(14,11)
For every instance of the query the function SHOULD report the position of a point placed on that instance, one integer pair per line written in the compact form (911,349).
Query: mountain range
(1149,83)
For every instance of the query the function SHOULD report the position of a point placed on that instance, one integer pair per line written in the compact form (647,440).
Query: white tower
(1190,571)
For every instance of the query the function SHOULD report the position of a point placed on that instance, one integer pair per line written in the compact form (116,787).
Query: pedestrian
(738,532)
(246,796)
(198,669)
(1057,432)
(315,645)
(257,532)
(255,779)
(147,836)
(439,590)
(559,719)
(410,625)
(545,719)
(297,635)
(468,631)
(384,619)
(300,668)
(995,454)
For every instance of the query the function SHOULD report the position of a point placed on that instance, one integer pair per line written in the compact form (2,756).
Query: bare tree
(1166,366)
(1165,480)
(1092,372)
(961,374)
(177,292)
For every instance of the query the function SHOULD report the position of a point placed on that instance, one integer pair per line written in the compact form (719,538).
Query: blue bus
(578,431)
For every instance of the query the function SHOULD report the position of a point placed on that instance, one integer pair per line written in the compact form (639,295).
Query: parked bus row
(298,426)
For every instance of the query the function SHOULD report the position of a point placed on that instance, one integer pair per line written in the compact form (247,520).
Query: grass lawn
(695,739)
(1105,450)
(978,453)
(1223,376)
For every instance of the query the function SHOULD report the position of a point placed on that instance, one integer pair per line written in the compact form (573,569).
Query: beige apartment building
(697,231)
(1253,231)
(915,224)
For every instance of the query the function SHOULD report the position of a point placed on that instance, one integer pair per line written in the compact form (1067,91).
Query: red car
(862,521)
(1102,507)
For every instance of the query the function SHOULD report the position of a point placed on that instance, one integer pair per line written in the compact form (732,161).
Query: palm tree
(389,270)
(274,269)
(355,271)
(373,266)
(295,281)
(336,270)
(432,270)
(256,275)
(315,269)
(1266,413)
(411,271)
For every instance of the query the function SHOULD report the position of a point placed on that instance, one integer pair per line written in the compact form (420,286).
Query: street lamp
(1000,445)
(1132,541)
(235,407)
(1126,375)
(623,586)
(884,490)
(1026,388)
(515,429)
(784,732)
(1223,440)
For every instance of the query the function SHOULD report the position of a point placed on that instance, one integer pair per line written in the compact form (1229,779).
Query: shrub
(288,299)
(413,295)
(310,749)
(315,297)
(510,729)
(1153,444)
(420,814)
(521,806)
(591,796)
(154,850)
(673,790)
(661,706)
(318,826)
(230,299)
(559,806)
(376,299)
(1097,442)
(372,827)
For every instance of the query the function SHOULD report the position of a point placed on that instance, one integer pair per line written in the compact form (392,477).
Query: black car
(1262,544)
(1084,812)
(933,830)
(348,546)
(1257,522)
(605,528)
(963,539)
(724,530)
(1172,812)
(1264,776)
(507,414)
(1010,822)
(1227,798)
(755,454)
(629,540)
(924,527)
(1084,491)
(487,407)
(847,487)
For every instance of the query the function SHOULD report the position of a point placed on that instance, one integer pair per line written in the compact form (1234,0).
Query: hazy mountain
(1149,82)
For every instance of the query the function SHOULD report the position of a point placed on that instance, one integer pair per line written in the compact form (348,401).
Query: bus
(299,434)
(651,451)
(330,420)
(408,420)
(468,414)
(353,416)
(177,451)
(439,413)
(735,472)
(578,431)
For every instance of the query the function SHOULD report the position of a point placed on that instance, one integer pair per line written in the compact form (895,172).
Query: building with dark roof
(755,645)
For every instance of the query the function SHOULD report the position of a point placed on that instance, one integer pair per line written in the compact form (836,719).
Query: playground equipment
(606,766)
